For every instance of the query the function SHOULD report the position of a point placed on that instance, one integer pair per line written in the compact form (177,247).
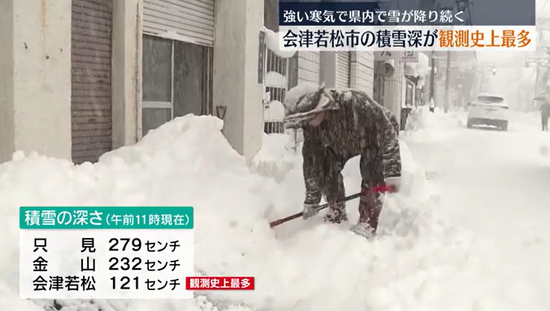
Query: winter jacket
(359,127)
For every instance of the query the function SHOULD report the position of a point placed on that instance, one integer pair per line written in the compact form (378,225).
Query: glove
(310,210)
(394,182)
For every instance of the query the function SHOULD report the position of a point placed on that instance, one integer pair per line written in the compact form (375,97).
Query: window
(157,83)
(192,79)
(490,99)
(177,80)
(276,84)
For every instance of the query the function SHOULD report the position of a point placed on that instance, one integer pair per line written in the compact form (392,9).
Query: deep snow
(426,257)
(495,185)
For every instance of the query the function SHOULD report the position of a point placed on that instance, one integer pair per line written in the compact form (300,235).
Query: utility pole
(447,82)
(432,83)
(462,6)
(448,73)
(537,79)
(428,5)
(541,59)
(538,69)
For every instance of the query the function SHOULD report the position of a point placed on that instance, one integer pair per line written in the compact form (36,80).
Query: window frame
(149,104)
(207,80)
(164,104)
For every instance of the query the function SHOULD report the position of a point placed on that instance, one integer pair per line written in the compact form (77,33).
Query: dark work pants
(544,122)
(331,183)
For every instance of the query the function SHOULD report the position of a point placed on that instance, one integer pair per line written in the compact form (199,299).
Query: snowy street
(469,231)
(496,184)
(275,155)
(270,155)
(483,229)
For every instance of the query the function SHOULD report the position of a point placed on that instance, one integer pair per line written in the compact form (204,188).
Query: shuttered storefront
(183,20)
(343,70)
(91,79)
(178,40)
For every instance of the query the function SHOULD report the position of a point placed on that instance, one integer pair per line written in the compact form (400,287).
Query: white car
(488,109)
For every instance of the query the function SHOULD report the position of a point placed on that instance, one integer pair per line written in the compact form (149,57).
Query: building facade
(93,76)
(178,40)
(389,81)
(333,69)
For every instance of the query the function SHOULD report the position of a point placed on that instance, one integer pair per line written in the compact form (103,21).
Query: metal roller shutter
(187,20)
(342,70)
(91,79)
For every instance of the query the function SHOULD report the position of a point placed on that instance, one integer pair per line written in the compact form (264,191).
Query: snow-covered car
(488,109)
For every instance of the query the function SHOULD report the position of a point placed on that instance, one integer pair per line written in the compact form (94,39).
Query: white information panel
(127,253)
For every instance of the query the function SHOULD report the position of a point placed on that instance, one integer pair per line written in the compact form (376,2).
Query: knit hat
(305,102)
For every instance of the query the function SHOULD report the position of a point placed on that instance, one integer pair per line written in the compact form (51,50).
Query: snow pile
(184,162)
(276,158)
(413,175)
(171,166)
(418,261)
(426,126)
(422,118)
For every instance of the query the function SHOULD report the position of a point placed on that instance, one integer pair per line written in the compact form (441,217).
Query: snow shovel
(379,189)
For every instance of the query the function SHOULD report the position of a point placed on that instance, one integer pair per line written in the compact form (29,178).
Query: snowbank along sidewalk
(419,261)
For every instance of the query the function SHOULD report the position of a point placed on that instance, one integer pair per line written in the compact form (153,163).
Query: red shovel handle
(379,189)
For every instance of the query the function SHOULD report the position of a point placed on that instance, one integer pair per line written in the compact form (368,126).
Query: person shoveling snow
(337,126)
